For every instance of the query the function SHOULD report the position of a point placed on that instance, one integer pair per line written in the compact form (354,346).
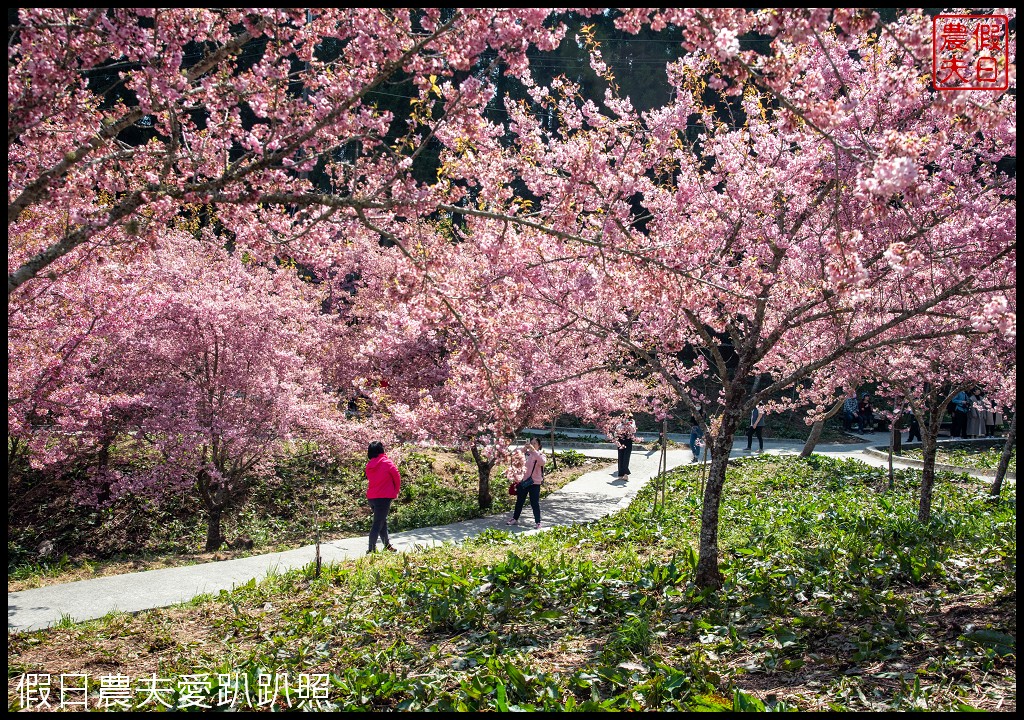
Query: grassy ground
(968,455)
(134,534)
(835,598)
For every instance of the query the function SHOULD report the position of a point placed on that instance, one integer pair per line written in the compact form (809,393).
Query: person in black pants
(913,428)
(383,485)
(756,425)
(625,431)
(960,408)
(696,435)
(867,414)
(533,476)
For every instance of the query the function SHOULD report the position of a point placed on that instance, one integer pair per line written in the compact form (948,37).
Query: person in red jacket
(383,485)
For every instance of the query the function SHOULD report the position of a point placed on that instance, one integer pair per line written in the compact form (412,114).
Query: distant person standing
(383,485)
(975,415)
(960,406)
(993,418)
(913,427)
(625,433)
(696,437)
(756,428)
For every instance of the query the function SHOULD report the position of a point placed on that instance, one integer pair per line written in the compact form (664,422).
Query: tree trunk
(659,487)
(215,501)
(102,463)
(929,434)
(708,574)
(554,458)
(483,471)
(1004,460)
(214,536)
(894,438)
(15,452)
(817,427)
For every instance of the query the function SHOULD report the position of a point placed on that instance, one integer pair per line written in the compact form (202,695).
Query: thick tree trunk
(1004,460)
(215,501)
(929,434)
(708,574)
(214,536)
(102,463)
(817,427)
(483,471)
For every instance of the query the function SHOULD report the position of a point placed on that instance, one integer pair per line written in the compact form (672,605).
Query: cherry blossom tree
(797,200)
(926,375)
(157,108)
(275,125)
(63,407)
(228,367)
(205,365)
(780,241)
(456,354)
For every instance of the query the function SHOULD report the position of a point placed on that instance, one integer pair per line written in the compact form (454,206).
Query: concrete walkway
(590,497)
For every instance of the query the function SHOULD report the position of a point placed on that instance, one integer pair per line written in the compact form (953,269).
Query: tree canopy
(483,217)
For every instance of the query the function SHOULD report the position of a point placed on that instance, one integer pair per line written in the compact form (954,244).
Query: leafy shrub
(571,458)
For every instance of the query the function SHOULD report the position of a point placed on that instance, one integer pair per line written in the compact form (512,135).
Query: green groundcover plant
(303,498)
(968,457)
(835,598)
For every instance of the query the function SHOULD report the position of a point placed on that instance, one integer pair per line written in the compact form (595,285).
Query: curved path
(589,497)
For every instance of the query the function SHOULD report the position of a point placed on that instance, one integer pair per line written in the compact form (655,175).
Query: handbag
(512,487)
(527,481)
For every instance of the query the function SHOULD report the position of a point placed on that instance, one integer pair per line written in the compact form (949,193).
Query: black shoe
(390,548)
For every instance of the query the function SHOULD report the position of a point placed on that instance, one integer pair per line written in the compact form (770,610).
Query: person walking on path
(625,433)
(756,425)
(529,486)
(383,485)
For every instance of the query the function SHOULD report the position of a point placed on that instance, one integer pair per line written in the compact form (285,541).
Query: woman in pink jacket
(534,472)
(383,484)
